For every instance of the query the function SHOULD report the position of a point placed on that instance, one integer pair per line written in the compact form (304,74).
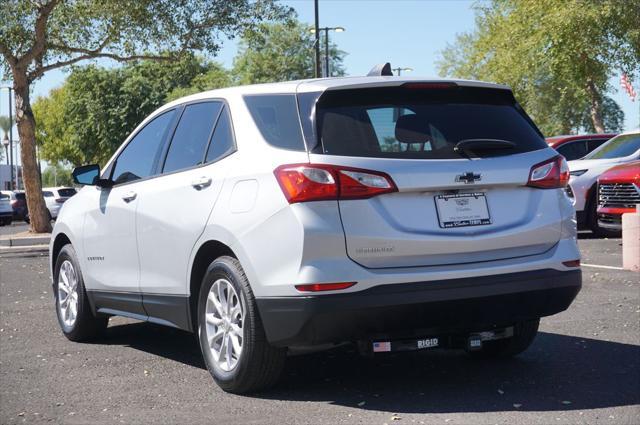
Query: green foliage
(125,29)
(5,124)
(280,52)
(557,55)
(214,78)
(86,119)
(57,175)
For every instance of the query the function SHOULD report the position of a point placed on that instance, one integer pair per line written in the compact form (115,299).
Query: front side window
(222,142)
(421,123)
(138,158)
(276,116)
(191,138)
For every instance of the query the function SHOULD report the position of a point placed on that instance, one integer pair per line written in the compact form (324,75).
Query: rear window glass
(619,147)
(20,196)
(276,116)
(66,193)
(4,197)
(421,123)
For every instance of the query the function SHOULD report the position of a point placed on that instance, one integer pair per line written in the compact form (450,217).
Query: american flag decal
(627,86)
(380,347)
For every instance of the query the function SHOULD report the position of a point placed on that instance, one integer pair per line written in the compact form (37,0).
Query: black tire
(260,364)
(524,334)
(86,327)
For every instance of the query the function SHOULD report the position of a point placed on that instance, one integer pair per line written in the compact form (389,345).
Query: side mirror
(89,175)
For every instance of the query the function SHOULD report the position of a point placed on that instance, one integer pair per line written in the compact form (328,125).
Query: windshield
(422,122)
(618,147)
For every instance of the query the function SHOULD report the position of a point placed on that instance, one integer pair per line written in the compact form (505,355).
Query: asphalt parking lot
(584,367)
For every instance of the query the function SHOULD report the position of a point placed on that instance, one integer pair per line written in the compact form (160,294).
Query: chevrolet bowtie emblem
(468,177)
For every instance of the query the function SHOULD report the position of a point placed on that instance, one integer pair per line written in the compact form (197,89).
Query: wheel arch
(206,253)
(60,240)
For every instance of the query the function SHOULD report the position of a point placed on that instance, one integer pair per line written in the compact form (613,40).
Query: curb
(25,241)
(25,249)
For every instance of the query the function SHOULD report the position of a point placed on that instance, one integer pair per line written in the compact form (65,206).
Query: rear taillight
(317,182)
(550,174)
(319,287)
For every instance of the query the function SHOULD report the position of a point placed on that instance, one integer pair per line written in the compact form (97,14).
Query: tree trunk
(595,107)
(38,213)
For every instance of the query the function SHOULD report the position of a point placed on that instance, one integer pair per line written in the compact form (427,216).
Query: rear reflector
(318,182)
(572,263)
(550,174)
(319,287)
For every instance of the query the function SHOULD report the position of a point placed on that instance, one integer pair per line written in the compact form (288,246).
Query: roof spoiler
(382,69)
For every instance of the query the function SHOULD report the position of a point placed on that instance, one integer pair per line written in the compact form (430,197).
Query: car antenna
(381,69)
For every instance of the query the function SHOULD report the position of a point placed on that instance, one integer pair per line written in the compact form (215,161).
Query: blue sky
(407,33)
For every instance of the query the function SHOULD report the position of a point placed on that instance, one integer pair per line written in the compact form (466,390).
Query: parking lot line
(602,267)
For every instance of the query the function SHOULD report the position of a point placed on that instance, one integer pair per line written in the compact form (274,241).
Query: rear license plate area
(462,210)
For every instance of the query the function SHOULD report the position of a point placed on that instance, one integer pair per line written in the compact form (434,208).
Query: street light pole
(11,137)
(317,37)
(326,52)
(399,70)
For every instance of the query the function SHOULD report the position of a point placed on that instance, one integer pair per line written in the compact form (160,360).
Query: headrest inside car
(412,129)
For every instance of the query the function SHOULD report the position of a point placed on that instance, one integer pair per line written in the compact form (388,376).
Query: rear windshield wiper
(469,145)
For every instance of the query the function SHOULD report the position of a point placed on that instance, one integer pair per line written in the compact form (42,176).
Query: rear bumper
(419,308)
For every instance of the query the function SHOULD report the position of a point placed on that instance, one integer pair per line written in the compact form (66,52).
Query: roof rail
(382,69)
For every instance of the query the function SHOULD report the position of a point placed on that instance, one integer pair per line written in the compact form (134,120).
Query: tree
(5,125)
(40,35)
(57,175)
(280,52)
(557,55)
(86,119)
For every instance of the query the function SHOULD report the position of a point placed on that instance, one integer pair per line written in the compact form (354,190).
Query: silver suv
(391,212)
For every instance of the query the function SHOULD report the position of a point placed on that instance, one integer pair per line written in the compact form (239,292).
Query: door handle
(129,196)
(201,183)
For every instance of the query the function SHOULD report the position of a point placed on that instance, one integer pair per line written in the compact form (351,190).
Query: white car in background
(585,172)
(55,197)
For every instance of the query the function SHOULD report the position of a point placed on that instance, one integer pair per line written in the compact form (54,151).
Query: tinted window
(47,194)
(20,196)
(66,193)
(222,141)
(618,147)
(137,159)
(192,135)
(4,197)
(573,150)
(421,123)
(595,143)
(276,116)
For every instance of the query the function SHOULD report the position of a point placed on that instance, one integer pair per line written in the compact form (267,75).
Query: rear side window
(138,158)
(192,135)
(573,150)
(66,193)
(222,142)
(276,116)
(47,194)
(420,123)
(595,143)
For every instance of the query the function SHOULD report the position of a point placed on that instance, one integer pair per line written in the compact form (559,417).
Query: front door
(113,269)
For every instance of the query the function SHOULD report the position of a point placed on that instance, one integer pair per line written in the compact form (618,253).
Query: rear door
(174,208)
(451,207)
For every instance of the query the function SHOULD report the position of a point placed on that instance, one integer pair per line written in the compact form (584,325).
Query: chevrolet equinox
(396,213)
